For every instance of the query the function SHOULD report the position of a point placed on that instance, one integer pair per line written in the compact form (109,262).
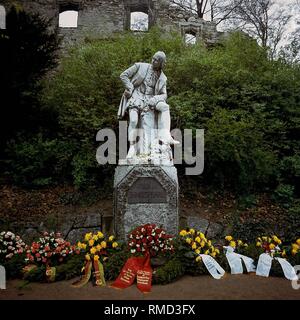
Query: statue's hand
(152,102)
(127,93)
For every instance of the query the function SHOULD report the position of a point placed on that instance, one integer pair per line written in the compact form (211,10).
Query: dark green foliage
(170,271)
(27,51)
(223,262)
(250,229)
(247,104)
(14,266)
(284,194)
(291,225)
(252,251)
(114,264)
(276,269)
(247,201)
(37,274)
(70,269)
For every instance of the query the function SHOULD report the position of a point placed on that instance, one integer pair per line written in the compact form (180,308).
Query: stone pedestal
(145,194)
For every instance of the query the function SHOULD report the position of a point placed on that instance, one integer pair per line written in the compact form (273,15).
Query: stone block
(145,194)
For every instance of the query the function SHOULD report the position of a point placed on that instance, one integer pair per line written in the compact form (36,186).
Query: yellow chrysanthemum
(91,242)
(232,244)
(100,235)
(192,231)
(259,239)
(198,239)
(294,252)
(111,238)
(202,236)
(272,246)
(95,237)
(88,236)
(115,244)
(93,250)
(202,243)
(217,251)
(283,253)
(228,238)
(209,243)
(87,257)
(240,242)
(206,252)
(298,241)
(197,251)
(83,246)
(213,254)
(265,238)
(258,244)
(98,247)
(183,233)
(103,244)
(96,257)
(79,245)
(188,240)
(295,246)
(194,245)
(198,259)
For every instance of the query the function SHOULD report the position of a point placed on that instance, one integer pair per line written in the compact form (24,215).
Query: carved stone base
(145,194)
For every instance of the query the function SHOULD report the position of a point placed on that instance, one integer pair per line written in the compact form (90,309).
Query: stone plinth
(145,194)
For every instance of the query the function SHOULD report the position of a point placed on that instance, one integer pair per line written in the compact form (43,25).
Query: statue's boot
(164,132)
(131,152)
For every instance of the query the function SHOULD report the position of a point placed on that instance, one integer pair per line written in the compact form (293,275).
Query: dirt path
(188,288)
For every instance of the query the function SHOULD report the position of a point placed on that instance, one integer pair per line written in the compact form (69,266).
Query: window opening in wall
(68,19)
(139,21)
(190,38)
(2,18)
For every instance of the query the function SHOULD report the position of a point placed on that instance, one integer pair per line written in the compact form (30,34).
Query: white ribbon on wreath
(212,266)
(2,278)
(265,263)
(235,261)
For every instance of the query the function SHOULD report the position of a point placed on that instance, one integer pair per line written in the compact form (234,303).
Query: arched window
(190,38)
(68,19)
(139,21)
(2,18)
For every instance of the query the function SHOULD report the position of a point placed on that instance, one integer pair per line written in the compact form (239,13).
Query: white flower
(132,250)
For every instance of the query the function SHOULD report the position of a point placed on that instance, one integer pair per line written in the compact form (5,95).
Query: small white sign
(2,278)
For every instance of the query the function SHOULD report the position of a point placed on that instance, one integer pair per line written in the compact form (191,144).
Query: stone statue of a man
(145,90)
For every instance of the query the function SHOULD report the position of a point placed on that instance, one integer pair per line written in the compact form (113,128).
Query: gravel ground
(231,287)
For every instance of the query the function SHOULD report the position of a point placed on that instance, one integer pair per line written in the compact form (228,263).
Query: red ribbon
(136,267)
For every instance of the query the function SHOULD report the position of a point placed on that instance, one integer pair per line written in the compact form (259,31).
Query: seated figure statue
(144,100)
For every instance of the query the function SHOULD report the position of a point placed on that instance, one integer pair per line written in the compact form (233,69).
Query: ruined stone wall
(102,18)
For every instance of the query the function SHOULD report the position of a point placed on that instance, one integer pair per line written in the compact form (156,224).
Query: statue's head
(159,60)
